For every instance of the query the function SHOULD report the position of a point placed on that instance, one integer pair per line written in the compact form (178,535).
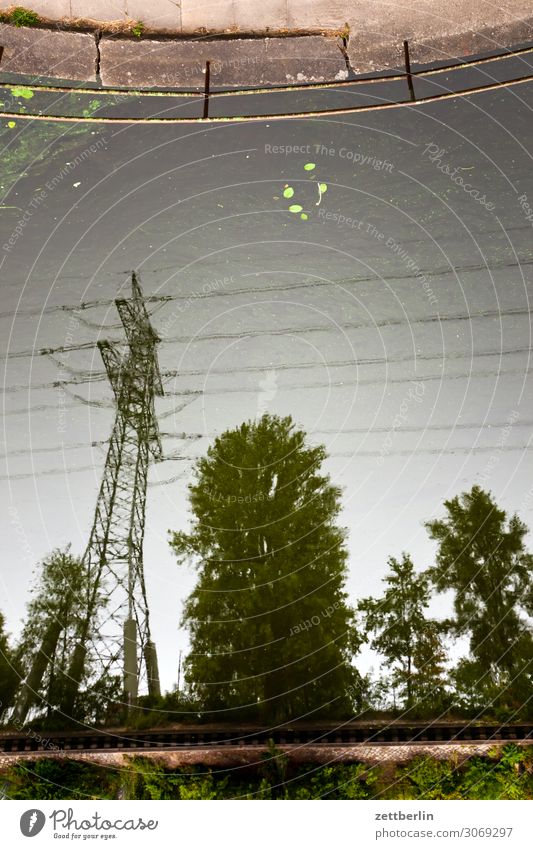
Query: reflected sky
(392,321)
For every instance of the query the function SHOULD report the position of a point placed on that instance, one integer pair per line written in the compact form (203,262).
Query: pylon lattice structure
(112,634)
(120,627)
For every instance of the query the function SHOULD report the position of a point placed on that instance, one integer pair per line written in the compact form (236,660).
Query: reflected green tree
(272,636)
(9,672)
(482,559)
(397,626)
(47,642)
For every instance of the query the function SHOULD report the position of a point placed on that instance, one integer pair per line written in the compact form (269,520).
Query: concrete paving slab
(54,9)
(165,15)
(233,62)
(243,15)
(213,15)
(50,53)
(384,20)
(99,10)
(259,17)
(319,14)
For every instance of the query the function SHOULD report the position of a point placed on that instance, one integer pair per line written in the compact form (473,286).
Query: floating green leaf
(22,91)
(288,192)
(295,208)
(323,187)
(309,166)
(11,124)
(304,216)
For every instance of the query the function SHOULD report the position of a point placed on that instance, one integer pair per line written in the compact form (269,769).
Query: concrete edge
(364,58)
(30,51)
(244,61)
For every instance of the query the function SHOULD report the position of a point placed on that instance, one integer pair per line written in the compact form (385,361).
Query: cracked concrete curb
(250,62)
(48,53)
(235,62)
(364,58)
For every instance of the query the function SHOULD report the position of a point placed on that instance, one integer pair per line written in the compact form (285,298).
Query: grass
(20,17)
(137,29)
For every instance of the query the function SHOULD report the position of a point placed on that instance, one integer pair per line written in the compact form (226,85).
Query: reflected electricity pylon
(113,632)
